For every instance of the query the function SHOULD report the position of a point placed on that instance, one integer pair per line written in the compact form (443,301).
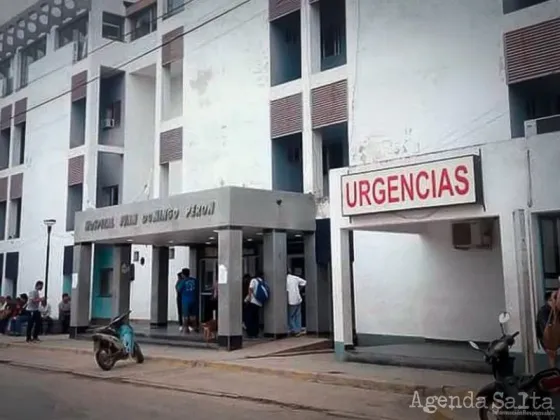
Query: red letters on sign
(410,188)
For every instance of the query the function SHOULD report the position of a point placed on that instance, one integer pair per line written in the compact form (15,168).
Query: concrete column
(193,266)
(230,277)
(121,279)
(160,286)
(312,288)
(275,249)
(525,287)
(312,149)
(341,290)
(81,289)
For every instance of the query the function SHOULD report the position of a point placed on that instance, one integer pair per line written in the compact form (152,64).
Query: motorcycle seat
(532,382)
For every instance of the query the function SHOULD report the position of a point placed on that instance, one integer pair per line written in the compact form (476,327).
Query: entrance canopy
(192,218)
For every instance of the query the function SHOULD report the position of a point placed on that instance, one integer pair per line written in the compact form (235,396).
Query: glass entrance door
(208,276)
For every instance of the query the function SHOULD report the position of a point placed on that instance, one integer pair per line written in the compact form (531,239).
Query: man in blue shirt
(188,300)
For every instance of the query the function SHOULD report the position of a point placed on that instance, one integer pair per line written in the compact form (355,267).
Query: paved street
(62,385)
(48,396)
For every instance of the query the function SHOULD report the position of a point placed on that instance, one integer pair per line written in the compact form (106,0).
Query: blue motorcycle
(115,342)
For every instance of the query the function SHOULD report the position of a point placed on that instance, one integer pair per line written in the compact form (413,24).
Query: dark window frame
(6,74)
(112,192)
(150,15)
(115,21)
(73,26)
(333,34)
(556,244)
(18,209)
(29,55)
(22,130)
(171,9)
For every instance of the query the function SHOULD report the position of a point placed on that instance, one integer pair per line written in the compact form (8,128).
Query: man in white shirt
(253,307)
(293,285)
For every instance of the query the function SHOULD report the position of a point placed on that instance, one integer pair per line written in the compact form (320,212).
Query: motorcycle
(109,347)
(510,392)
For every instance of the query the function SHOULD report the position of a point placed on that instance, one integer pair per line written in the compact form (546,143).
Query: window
(333,34)
(76,32)
(113,27)
(18,153)
(550,228)
(144,22)
(294,154)
(510,6)
(110,195)
(173,7)
(28,56)
(105,282)
(15,219)
(6,80)
(113,115)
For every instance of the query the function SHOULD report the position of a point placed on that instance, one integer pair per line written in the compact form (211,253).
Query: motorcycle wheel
(104,359)
(138,356)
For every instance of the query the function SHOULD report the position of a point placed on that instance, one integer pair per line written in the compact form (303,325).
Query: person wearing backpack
(257,296)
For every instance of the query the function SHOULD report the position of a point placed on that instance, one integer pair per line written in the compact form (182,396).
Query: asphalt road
(27,394)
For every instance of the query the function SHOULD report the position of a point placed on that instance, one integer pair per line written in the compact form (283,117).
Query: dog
(210,328)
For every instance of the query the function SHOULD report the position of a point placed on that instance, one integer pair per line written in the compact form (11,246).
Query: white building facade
(439,89)
(131,101)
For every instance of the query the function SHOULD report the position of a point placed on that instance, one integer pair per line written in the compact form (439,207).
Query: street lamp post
(49,223)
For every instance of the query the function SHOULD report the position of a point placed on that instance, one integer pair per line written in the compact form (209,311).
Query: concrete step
(143,339)
(420,362)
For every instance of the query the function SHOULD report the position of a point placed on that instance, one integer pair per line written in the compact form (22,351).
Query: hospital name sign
(434,184)
(194,211)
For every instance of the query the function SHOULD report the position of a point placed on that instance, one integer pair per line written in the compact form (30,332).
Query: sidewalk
(287,392)
(319,368)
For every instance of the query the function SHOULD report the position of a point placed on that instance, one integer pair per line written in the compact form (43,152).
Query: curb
(373,384)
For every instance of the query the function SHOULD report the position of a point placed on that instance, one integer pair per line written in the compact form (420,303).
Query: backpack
(263,292)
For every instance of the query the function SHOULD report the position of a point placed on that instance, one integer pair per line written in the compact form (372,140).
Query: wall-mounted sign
(434,184)
(157,216)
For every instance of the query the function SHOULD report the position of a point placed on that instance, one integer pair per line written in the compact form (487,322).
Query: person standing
(64,310)
(178,288)
(254,306)
(293,286)
(34,323)
(188,301)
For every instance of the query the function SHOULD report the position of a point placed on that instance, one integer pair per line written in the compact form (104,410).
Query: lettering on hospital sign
(434,184)
(194,211)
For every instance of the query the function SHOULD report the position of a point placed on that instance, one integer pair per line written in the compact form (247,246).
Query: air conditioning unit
(544,125)
(473,235)
(108,123)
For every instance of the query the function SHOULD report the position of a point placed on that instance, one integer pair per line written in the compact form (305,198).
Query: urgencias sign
(435,184)
(194,211)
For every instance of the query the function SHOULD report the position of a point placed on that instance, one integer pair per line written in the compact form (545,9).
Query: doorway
(208,269)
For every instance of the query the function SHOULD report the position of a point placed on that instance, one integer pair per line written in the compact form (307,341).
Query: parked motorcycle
(109,347)
(509,387)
